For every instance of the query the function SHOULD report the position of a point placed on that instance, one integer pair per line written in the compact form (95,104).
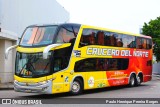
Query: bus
(72,57)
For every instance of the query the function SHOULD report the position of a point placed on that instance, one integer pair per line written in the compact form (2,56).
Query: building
(15,16)
(7,38)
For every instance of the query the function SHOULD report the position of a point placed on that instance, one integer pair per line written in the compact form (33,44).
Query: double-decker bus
(73,57)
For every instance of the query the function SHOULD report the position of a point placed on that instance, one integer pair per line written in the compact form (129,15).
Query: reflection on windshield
(67,34)
(32,65)
(38,35)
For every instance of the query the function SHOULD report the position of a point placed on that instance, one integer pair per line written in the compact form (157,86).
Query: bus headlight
(15,81)
(43,82)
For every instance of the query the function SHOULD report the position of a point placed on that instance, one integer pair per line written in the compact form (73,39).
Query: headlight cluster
(43,82)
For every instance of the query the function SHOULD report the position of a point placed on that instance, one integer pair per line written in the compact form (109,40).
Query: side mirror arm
(8,49)
(48,48)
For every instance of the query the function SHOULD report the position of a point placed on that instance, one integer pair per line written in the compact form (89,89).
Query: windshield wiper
(46,66)
(29,62)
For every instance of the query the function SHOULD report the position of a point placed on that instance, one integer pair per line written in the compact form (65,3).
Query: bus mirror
(47,49)
(8,49)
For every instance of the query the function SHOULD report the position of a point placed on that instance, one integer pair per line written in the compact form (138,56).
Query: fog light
(44,88)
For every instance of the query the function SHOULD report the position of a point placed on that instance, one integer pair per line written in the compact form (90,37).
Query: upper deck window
(114,39)
(38,36)
(67,34)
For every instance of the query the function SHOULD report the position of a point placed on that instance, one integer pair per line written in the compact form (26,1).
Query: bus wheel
(76,87)
(132,81)
(139,80)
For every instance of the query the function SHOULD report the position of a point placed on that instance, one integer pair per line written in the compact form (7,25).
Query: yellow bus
(74,57)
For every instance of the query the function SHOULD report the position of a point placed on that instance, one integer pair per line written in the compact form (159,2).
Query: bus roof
(58,24)
(93,27)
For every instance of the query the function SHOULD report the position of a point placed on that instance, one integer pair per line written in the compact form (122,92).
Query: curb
(156,75)
(6,86)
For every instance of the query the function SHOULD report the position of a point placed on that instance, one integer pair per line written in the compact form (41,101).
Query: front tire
(77,87)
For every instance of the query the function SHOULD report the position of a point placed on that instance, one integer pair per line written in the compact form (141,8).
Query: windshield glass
(35,36)
(32,65)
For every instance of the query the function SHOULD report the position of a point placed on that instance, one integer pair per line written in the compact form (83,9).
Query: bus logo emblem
(77,53)
(91,82)
(26,84)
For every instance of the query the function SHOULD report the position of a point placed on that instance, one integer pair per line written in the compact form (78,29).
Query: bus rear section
(112,58)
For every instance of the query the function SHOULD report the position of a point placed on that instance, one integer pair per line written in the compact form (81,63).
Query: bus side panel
(58,82)
(95,79)
(147,66)
(115,78)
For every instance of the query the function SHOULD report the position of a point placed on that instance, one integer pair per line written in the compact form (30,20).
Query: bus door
(59,66)
(57,84)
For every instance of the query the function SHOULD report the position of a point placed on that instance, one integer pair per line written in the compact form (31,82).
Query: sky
(124,15)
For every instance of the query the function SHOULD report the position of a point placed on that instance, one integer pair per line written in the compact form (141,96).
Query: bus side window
(148,43)
(119,41)
(139,43)
(107,38)
(113,64)
(87,37)
(131,41)
(100,37)
(144,43)
(99,64)
(113,40)
(92,38)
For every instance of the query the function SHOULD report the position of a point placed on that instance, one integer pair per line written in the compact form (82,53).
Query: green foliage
(156,51)
(153,29)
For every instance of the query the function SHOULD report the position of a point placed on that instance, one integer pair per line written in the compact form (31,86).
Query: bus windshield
(32,65)
(38,36)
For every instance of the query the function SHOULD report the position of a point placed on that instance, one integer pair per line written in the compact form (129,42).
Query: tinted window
(101,64)
(61,59)
(32,65)
(111,39)
(128,41)
(42,35)
(143,43)
(104,38)
(149,44)
(88,37)
(67,34)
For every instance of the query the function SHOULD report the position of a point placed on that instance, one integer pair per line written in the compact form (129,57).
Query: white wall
(15,15)
(156,68)
(6,66)
(2,42)
(0,11)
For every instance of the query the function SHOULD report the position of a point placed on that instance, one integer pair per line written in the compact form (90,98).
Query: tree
(153,29)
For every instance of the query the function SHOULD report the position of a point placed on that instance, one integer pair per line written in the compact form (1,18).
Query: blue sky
(125,15)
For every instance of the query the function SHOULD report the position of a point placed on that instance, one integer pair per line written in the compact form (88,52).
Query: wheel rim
(138,80)
(75,87)
(132,81)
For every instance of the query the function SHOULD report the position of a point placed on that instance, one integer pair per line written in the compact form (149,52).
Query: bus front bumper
(33,87)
